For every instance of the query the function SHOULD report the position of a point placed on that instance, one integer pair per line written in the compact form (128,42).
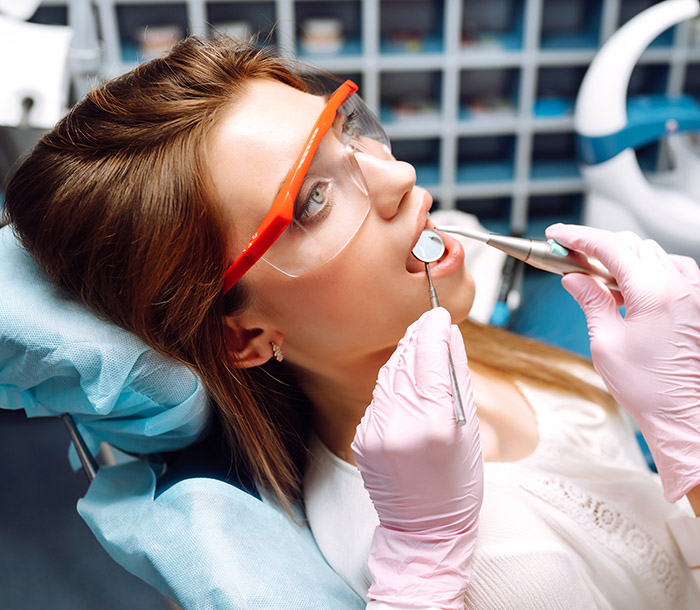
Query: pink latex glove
(650,359)
(423,472)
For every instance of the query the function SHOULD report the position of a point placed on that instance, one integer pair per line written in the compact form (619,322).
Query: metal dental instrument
(548,255)
(429,248)
(87,460)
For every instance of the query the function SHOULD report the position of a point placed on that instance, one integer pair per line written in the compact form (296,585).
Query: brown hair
(509,356)
(116,207)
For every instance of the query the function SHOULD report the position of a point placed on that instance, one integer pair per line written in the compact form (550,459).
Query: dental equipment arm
(423,473)
(546,255)
(650,358)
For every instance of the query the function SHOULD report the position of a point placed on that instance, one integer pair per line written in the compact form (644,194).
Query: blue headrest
(649,118)
(57,357)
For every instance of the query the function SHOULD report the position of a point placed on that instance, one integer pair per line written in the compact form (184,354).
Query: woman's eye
(317,197)
(349,130)
(315,205)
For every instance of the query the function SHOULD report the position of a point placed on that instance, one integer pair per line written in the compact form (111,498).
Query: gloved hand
(423,472)
(650,359)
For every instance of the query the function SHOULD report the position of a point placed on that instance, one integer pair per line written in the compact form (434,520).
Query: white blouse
(581,523)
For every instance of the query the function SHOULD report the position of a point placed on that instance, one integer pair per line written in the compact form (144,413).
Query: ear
(249,344)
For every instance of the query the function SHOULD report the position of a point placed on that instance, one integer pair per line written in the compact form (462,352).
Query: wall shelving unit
(478,94)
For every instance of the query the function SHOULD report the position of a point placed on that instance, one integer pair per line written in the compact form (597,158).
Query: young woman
(233,219)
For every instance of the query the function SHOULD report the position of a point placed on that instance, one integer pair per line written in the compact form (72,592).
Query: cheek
(349,307)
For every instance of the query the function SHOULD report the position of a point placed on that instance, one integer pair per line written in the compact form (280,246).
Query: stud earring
(277,351)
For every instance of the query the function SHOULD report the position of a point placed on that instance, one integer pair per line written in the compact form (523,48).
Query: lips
(449,262)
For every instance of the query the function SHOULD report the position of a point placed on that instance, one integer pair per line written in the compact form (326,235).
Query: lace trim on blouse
(618,533)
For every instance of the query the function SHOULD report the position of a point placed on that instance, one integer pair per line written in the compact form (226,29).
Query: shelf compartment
(50,15)
(410,96)
(147,30)
(493,24)
(557,88)
(486,159)
(493,212)
(328,29)
(691,82)
(424,155)
(570,24)
(648,79)
(411,26)
(554,156)
(491,93)
(544,210)
(630,8)
(243,19)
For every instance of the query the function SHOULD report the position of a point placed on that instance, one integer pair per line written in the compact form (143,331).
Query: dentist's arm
(423,472)
(650,358)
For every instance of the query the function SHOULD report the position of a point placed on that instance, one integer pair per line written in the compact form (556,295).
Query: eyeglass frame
(281,213)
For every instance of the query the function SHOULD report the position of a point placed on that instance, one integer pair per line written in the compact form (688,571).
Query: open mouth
(413,265)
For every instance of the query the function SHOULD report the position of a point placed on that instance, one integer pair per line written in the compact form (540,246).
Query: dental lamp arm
(650,358)
(423,472)
(601,105)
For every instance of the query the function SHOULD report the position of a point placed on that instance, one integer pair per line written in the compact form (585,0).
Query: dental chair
(200,536)
(664,207)
(172,510)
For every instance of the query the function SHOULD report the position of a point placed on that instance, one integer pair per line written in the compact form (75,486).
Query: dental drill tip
(482,236)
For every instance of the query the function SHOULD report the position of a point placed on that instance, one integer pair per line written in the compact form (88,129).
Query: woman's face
(361,301)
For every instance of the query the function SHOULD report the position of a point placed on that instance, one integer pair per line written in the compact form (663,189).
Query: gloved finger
(432,344)
(404,344)
(400,359)
(595,300)
(395,376)
(401,363)
(688,268)
(608,247)
(632,261)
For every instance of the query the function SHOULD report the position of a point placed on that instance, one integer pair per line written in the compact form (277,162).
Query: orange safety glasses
(281,214)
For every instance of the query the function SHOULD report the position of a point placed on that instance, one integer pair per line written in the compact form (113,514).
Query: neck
(340,397)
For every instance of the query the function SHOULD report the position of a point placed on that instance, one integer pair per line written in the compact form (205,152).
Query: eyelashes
(315,203)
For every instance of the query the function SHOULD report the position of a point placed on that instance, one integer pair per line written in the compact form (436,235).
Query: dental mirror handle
(457,395)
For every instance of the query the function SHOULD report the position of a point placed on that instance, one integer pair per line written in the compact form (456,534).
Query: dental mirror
(428,249)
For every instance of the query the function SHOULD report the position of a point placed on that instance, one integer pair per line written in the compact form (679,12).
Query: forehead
(271,118)
(255,147)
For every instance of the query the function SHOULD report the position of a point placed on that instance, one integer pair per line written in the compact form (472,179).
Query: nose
(387,180)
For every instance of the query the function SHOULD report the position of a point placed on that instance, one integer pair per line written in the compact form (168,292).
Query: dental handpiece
(547,255)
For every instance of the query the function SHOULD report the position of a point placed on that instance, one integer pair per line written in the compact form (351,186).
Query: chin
(459,300)
(459,311)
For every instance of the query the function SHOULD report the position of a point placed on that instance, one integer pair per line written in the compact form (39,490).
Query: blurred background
(479,95)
